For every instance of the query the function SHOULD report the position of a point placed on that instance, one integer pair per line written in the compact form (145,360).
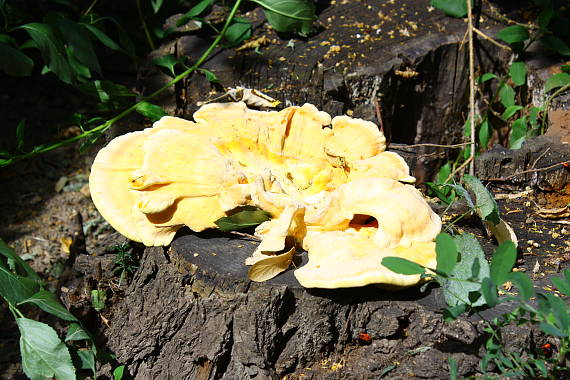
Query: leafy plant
(44,354)
(126,263)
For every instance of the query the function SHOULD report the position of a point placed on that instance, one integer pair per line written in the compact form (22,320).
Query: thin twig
(539,157)
(378,109)
(471,85)
(461,167)
(452,146)
(491,40)
(243,234)
(504,18)
(563,164)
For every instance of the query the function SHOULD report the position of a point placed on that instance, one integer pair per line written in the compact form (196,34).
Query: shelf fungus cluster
(329,187)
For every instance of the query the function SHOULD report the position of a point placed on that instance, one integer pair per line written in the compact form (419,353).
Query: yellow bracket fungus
(329,186)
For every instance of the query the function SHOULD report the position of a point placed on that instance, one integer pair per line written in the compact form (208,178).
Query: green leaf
(44,355)
(452,313)
(48,302)
(486,205)
(507,96)
(560,310)
(489,290)
(156,5)
(518,133)
(510,111)
(20,129)
(106,91)
(484,134)
(557,80)
(168,61)
(98,298)
(485,77)
(545,16)
(402,266)
(518,73)
(552,330)
(248,217)
(454,8)
(79,44)
(461,283)
(210,76)
(194,12)
(238,31)
(52,49)
(556,44)
(13,62)
(102,37)
(76,332)
(513,34)
(563,283)
(446,252)
(22,268)
(151,111)
(523,283)
(87,358)
(15,288)
(503,261)
(289,16)
(118,372)
(443,173)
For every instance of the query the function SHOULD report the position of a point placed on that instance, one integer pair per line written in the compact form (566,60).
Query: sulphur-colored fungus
(329,186)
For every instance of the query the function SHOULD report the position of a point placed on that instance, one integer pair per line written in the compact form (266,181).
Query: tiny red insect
(546,349)
(364,337)
(565,164)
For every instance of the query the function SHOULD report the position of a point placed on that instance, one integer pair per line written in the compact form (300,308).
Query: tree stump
(191,313)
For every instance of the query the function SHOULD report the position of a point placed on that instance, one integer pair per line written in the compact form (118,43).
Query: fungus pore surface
(329,186)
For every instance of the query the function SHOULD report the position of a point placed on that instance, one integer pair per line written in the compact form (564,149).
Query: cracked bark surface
(183,317)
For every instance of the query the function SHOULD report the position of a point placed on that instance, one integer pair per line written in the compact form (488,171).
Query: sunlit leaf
(518,133)
(402,266)
(486,77)
(513,34)
(76,332)
(44,355)
(484,134)
(15,288)
(507,96)
(210,76)
(151,111)
(289,16)
(503,261)
(454,8)
(517,72)
(446,252)
(238,31)
(486,206)
(556,80)
(48,302)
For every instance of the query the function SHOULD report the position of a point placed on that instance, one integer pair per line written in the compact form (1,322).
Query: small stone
(536,245)
(555,235)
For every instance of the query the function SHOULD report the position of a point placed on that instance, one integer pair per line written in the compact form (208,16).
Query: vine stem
(145,27)
(106,125)
(471,86)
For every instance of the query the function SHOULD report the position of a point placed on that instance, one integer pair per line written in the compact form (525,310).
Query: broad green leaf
(446,252)
(105,91)
(102,37)
(267,268)
(168,61)
(210,76)
(545,16)
(151,111)
(461,283)
(443,173)
(518,133)
(489,290)
(484,134)
(20,130)
(513,34)
(289,16)
(454,8)
(523,284)
(559,309)
(118,372)
(248,217)
(22,268)
(510,111)
(556,80)
(15,288)
(563,283)
(452,368)
(52,49)
(76,332)
(44,355)
(79,43)
(194,12)
(13,62)
(88,359)
(98,298)
(503,261)
(485,77)
(507,96)
(81,71)
(48,302)
(402,266)
(486,205)
(518,73)
(238,31)
(463,193)
(552,330)
(556,44)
